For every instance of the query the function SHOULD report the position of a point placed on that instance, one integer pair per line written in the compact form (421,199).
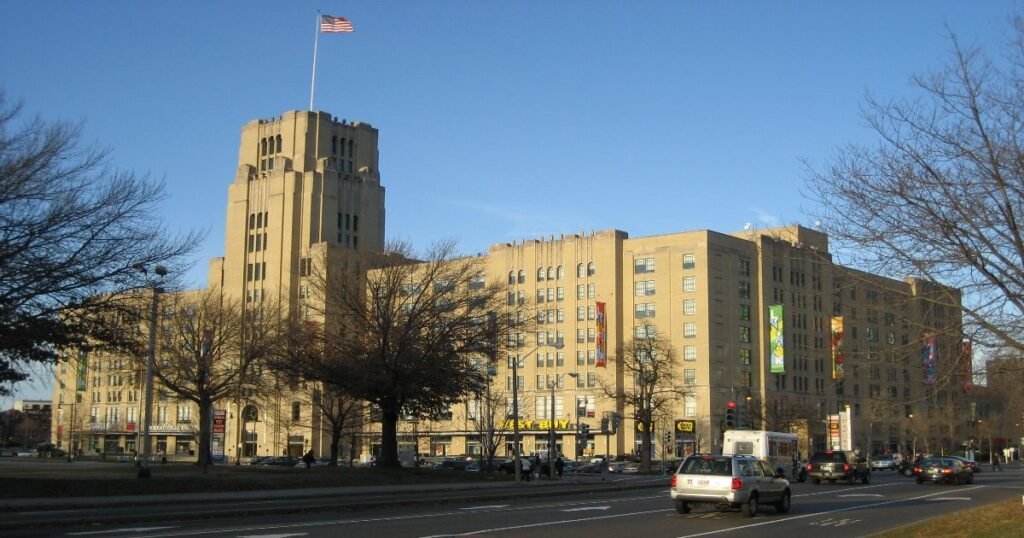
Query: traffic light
(742,422)
(730,416)
(616,419)
(668,437)
(581,438)
(604,426)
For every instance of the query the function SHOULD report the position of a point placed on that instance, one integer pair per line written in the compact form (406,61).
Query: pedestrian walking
(535,466)
(526,468)
(995,462)
(559,466)
(308,459)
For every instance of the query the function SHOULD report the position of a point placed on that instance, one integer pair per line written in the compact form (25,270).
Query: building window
(690,376)
(581,292)
(642,332)
(644,310)
(591,357)
(690,405)
(590,269)
(591,312)
(296,411)
(745,357)
(184,413)
(689,307)
(581,313)
(591,334)
(689,353)
(580,272)
(689,283)
(511,277)
(644,288)
(540,274)
(591,291)
(689,330)
(305,266)
(689,261)
(581,357)
(643,265)
(522,276)
(745,334)
(744,267)
(744,312)
(560,272)
(477,282)
(744,289)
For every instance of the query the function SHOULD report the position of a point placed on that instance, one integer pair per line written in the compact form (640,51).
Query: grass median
(998,520)
(49,478)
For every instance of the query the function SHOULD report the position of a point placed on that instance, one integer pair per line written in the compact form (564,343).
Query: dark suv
(833,465)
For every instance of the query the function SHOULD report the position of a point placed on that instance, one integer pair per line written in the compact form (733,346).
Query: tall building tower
(304,178)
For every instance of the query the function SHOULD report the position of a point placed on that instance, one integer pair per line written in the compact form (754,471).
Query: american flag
(335,24)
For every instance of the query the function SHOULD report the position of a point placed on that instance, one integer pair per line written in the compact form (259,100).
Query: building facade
(308,187)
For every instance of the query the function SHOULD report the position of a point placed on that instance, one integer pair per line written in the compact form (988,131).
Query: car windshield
(826,457)
(938,462)
(707,466)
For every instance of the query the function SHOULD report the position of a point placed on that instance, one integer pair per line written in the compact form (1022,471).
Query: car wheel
(817,481)
(867,478)
(682,507)
(956,480)
(908,472)
(783,505)
(749,508)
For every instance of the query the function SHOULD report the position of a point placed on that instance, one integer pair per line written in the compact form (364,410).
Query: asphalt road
(836,511)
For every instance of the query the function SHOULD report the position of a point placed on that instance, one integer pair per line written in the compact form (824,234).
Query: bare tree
(489,412)
(940,194)
(206,343)
(648,370)
(303,354)
(72,232)
(410,332)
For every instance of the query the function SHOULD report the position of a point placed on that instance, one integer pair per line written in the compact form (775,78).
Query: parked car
(943,469)
(452,465)
(833,465)
(884,462)
(743,482)
(26,453)
(281,461)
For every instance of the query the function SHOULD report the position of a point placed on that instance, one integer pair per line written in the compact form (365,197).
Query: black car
(943,469)
(281,461)
(833,465)
(452,465)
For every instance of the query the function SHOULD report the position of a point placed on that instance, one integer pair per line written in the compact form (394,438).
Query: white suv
(743,482)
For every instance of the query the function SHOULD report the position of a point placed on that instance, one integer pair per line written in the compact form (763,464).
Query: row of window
(551,273)
(255,271)
(259,220)
(257,242)
(646,265)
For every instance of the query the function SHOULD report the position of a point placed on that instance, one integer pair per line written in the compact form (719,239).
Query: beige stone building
(308,184)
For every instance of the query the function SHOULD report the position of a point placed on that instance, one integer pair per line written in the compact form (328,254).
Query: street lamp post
(551,426)
(161,271)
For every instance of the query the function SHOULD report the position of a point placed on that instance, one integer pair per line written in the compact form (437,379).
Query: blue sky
(498,121)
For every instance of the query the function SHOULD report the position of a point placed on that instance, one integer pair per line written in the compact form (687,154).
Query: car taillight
(810,467)
(846,467)
(947,471)
(917,469)
(737,483)
(673,481)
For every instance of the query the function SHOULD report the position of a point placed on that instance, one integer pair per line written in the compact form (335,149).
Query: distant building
(27,424)
(308,184)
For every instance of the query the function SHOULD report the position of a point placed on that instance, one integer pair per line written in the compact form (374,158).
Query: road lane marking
(951,499)
(583,508)
(861,495)
(816,514)
(110,531)
(489,506)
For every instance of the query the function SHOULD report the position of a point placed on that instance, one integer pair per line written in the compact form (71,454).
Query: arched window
(579,271)
(271,146)
(551,273)
(350,147)
(560,272)
(263,146)
(279,143)
(296,411)
(540,273)
(342,147)
(522,276)
(250,414)
(511,277)
(590,269)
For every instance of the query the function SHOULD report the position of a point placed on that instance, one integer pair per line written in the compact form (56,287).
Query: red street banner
(219,420)
(602,335)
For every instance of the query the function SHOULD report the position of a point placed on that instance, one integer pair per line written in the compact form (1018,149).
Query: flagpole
(316,43)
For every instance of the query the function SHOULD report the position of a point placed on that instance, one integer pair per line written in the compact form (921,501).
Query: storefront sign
(538,425)
(686,426)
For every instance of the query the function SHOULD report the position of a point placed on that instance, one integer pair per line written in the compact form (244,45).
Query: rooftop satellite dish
(747,226)
(817,224)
